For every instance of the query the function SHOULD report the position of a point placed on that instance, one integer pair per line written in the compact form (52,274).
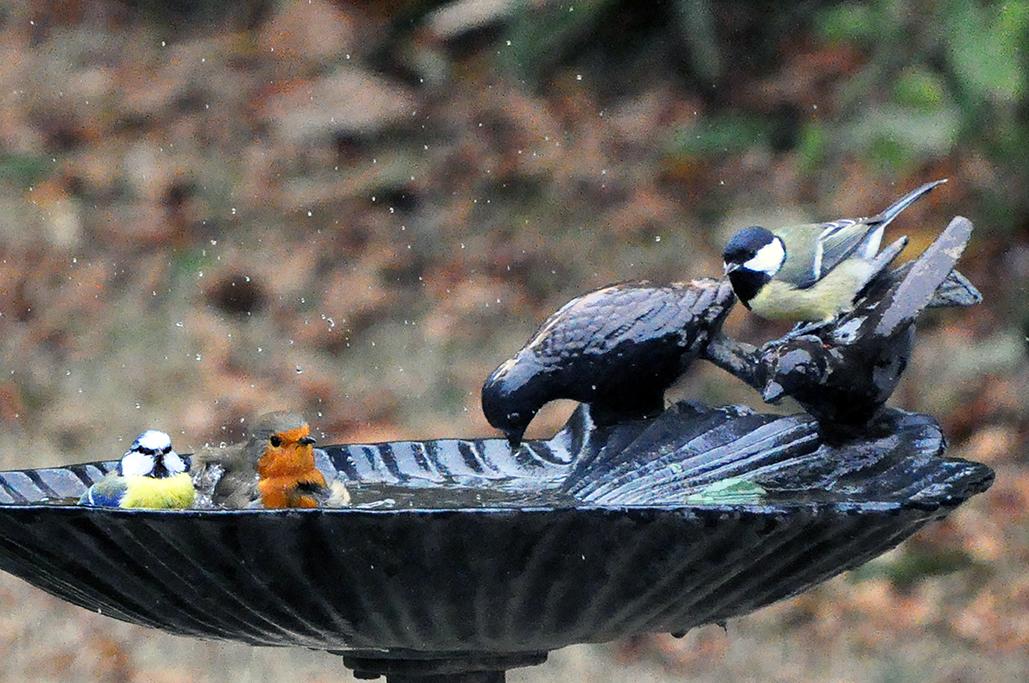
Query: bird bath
(491,558)
(485,558)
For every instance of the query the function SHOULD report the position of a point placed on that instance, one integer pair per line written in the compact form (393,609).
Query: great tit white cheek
(768,258)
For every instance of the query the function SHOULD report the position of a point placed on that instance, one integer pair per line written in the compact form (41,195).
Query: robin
(273,468)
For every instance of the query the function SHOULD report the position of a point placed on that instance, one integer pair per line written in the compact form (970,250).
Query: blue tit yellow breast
(164,493)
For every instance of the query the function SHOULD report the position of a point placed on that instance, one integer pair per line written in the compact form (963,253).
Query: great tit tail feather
(894,209)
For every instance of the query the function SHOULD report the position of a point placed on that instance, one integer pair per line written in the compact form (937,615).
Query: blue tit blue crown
(151,455)
(152,442)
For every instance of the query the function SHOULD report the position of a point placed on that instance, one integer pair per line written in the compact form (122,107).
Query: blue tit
(809,272)
(149,475)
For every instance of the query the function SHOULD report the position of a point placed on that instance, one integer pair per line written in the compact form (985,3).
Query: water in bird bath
(370,496)
(382,496)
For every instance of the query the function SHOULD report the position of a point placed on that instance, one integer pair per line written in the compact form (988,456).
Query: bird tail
(339,496)
(894,209)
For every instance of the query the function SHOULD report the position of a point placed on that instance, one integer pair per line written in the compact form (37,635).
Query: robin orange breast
(275,466)
(287,476)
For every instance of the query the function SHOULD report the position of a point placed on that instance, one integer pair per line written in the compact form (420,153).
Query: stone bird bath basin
(489,559)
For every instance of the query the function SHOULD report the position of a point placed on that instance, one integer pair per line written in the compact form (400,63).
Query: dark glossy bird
(273,468)
(617,348)
(809,272)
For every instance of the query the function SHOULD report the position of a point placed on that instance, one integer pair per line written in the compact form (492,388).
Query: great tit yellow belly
(809,272)
(779,300)
(149,475)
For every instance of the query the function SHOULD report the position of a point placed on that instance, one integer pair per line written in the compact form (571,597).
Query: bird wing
(838,240)
(234,491)
(808,261)
(600,319)
(237,484)
(108,492)
(333,495)
(216,455)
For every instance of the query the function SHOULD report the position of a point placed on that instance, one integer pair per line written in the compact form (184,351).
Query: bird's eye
(275,440)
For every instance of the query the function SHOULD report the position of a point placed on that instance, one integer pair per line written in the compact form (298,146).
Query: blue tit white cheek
(173,463)
(136,464)
(768,258)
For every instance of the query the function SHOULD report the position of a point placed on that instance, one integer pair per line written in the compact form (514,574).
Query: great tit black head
(752,257)
(511,398)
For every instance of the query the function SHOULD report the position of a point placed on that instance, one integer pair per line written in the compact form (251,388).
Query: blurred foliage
(357,209)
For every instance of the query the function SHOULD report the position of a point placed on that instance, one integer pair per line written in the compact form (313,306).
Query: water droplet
(300,370)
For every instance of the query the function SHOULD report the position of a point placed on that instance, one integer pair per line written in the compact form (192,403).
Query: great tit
(617,348)
(843,374)
(274,468)
(809,272)
(149,475)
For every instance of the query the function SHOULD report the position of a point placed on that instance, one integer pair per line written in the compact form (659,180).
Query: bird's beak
(773,392)
(307,441)
(514,438)
(730,267)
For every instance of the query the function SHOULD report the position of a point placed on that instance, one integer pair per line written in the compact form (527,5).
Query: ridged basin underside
(626,556)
